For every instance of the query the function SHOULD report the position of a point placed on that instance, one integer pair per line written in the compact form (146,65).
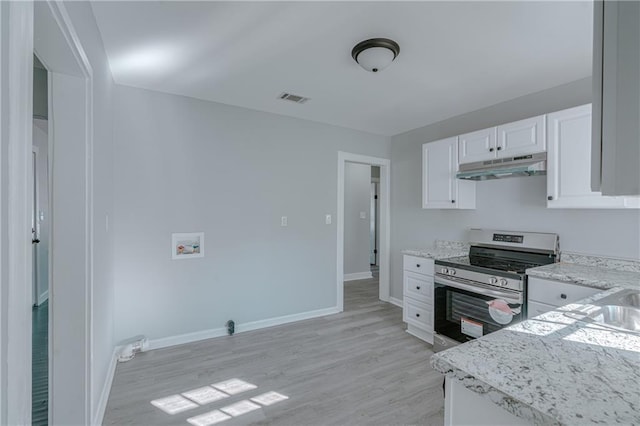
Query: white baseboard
(222,331)
(397,302)
(106,388)
(358,276)
(43,297)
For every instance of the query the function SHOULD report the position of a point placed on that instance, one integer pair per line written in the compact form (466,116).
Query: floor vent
(293,98)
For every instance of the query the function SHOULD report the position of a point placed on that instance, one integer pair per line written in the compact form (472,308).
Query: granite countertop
(589,276)
(441,250)
(554,369)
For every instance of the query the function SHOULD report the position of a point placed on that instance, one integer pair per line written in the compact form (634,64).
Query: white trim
(395,301)
(43,297)
(181,339)
(59,14)
(16,59)
(385,223)
(106,388)
(358,276)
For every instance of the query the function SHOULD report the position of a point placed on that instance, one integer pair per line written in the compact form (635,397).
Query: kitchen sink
(632,299)
(620,311)
(623,317)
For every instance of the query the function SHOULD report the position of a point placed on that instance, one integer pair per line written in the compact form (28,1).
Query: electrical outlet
(363,215)
(284,221)
(327,219)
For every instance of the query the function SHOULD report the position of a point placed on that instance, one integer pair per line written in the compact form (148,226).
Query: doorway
(40,247)
(382,233)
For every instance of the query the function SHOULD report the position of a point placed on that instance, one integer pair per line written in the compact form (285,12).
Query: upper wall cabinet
(440,188)
(521,137)
(616,98)
(569,160)
(508,140)
(477,146)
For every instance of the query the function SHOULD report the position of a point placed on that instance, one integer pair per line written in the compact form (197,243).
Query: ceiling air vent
(293,98)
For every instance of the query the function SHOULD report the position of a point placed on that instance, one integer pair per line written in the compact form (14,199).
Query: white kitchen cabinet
(440,188)
(521,137)
(477,146)
(569,163)
(545,295)
(417,301)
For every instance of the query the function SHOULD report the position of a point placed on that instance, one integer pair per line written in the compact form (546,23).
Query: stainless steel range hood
(523,165)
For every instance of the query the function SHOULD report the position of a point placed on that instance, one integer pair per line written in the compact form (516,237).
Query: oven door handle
(508,297)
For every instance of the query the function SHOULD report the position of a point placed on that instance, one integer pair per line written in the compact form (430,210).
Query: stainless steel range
(486,290)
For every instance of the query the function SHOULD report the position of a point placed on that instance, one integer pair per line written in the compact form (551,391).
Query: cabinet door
(477,146)
(521,137)
(439,166)
(569,162)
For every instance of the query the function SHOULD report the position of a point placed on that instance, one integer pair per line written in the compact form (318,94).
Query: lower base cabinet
(418,297)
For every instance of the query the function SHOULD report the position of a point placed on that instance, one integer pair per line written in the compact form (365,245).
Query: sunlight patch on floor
(240,408)
(234,386)
(269,398)
(208,419)
(174,404)
(205,395)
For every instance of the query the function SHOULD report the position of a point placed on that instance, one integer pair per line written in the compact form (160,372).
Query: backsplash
(601,262)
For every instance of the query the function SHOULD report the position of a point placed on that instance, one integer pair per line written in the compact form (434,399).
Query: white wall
(40,140)
(99,279)
(357,199)
(185,165)
(517,203)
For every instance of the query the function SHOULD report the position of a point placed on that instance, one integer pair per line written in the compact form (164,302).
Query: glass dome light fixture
(375,54)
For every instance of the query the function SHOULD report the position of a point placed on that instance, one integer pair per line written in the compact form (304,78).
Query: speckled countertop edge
(600,345)
(588,276)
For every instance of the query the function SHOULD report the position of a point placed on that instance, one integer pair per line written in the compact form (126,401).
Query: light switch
(327,219)
(363,215)
(284,221)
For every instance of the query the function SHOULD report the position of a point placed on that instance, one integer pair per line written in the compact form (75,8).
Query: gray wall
(185,165)
(357,199)
(517,204)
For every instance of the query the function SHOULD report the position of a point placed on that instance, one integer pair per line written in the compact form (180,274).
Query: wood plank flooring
(358,367)
(40,365)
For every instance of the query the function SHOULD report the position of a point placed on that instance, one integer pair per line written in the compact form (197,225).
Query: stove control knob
(445,271)
(493,280)
(452,272)
(503,282)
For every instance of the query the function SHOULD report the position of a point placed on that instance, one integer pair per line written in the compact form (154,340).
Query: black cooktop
(489,259)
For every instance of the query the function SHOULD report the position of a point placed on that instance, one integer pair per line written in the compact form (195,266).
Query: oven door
(465,310)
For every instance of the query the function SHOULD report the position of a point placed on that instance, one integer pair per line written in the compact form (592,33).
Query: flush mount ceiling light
(375,54)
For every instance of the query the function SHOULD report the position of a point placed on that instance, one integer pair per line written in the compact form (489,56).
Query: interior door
(373,225)
(34,231)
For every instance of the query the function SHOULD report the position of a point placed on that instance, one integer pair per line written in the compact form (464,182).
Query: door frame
(384,198)
(16,120)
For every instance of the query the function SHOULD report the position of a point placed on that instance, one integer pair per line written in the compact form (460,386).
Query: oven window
(452,305)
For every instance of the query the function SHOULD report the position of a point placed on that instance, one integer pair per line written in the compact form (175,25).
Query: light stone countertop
(589,276)
(441,250)
(553,369)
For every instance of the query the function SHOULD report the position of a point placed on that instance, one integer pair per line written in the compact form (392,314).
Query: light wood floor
(358,367)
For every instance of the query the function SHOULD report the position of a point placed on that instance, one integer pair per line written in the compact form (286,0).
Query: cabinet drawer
(555,293)
(419,287)
(535,308)
(420,265)
(418,314)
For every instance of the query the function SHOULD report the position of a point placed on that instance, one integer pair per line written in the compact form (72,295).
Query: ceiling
(455,57)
